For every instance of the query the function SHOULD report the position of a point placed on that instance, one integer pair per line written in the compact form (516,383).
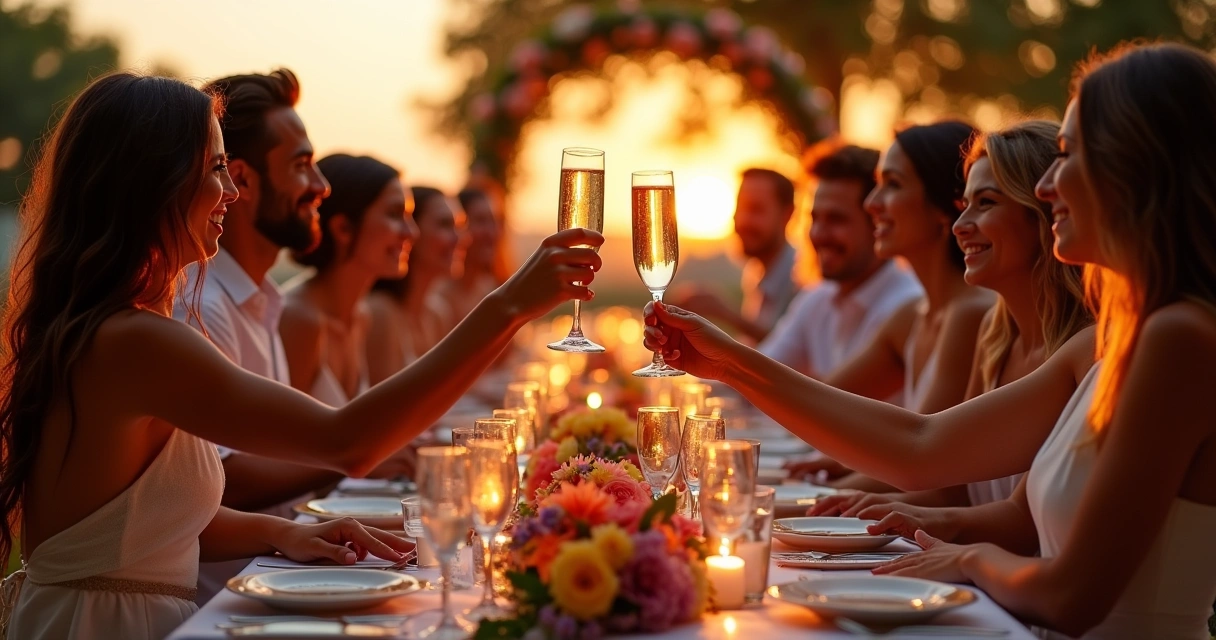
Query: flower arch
(581,38)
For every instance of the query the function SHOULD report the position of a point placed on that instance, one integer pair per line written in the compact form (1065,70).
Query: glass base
(663,371)
(488,612)
(576,344)
(427,625)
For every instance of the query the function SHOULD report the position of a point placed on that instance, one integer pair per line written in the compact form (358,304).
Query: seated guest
(1006,232)
(408,315)
(482,263)
(108,472)
(1121,491)
(831,322)
(762,212)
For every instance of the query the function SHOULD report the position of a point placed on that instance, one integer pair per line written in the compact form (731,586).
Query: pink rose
(627,490)
(540,469)
(628,515)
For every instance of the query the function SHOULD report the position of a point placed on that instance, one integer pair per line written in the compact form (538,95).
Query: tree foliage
(42,63)
(955,49)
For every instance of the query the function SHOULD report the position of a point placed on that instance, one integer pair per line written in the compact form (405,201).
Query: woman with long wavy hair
(110,406)
(1005,232)
(1121,496)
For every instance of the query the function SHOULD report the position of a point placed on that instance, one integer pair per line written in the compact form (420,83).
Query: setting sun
(705,206)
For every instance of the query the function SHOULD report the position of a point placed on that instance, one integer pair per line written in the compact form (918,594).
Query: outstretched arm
(905,449)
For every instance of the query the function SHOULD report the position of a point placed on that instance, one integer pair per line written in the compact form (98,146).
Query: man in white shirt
(829,323)
(763,209)
(271,163)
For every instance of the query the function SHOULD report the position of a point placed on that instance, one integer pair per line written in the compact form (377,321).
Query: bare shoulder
(971,307)
(1077,355)
(381,307)
(147,335)
(899,326)
(1180,332)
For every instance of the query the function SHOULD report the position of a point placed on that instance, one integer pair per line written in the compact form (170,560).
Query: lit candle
(726,575)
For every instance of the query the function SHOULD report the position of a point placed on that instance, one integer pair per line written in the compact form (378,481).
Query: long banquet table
(772,619)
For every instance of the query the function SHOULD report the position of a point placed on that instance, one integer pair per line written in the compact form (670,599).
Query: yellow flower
(600,476)
(632,470)
(614,544)
(581,581)
(566,450)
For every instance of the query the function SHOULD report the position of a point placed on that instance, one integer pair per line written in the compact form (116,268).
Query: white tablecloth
(766,621)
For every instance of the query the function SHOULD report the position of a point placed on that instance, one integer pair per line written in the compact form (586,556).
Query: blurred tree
(939,52)
(42,63)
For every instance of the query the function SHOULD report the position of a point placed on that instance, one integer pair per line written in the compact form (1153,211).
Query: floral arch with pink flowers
(581,38)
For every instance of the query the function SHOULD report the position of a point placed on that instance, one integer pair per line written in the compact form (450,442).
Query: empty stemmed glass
(698,430)
(658,445)
(443,495)
(526,395)
(493,482)
(728,485)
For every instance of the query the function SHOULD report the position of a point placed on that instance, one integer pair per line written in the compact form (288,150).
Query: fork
(857,628)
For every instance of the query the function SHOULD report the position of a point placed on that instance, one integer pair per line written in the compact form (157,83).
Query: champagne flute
(526,395)
(698,430)
(493,479)
(658,445)
(443,494)
(462,435)
(502,429)
(728,486)
(525,438)
(656,246)
(580,203)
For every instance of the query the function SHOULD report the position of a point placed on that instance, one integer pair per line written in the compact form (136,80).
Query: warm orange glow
(705,206)
(595,400)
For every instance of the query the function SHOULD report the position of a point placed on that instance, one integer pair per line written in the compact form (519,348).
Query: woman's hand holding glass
(687,341)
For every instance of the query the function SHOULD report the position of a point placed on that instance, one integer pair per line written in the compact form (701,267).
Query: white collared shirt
(822,330)
(769,289)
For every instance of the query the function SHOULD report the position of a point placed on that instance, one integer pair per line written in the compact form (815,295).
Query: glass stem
(487,598)
(657,362)
(576,329)
(445,570)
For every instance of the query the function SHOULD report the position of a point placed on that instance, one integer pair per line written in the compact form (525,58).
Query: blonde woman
(1122,495)
(1005,231)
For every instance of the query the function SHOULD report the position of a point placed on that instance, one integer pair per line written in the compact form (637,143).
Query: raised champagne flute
(447,514)
(658,446)
(580,204)
(493,479)
(656,246)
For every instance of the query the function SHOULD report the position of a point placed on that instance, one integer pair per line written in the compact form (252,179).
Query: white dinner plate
(873,599)
(801,494)
(373,511)
(831,534)
(771,476)
(783,446)
(326,589)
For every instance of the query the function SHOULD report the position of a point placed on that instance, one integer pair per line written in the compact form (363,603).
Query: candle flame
(729,625)
(724,548)
(595,400)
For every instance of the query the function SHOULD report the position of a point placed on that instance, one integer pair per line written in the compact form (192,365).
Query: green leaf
(530,586)
(663,509)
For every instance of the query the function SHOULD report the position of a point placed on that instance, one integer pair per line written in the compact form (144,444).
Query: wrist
(500,310)
(272,531)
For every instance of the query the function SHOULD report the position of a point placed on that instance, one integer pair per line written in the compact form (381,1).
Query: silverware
(848,555)
(310,628)
(857,628)
(386,618)
(371,567)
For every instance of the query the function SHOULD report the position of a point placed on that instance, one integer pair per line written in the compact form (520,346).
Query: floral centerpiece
(621,480)
(607,434)
(588,562)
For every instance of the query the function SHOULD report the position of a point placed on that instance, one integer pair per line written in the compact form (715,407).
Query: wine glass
(658,445)
(728,486)
(525,438)
(690,398)
(580,203)
(698,430)
(656,246)
(443,494)
(526,395)
(493,479)
(462,435)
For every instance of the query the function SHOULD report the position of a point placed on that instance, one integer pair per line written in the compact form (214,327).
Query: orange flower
(584,502)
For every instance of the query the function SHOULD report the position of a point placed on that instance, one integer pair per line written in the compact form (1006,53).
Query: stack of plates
(329,589)
(829,534)
(884,600)
(381,512)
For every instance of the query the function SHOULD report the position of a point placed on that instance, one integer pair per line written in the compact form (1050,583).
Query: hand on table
(907,519)
(820,468)
(848,503)
(344,541)
(939,561)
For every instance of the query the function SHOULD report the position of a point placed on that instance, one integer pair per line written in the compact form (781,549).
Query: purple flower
(660,585)
(550,517)
(566,628)
(622,622)
(548,616)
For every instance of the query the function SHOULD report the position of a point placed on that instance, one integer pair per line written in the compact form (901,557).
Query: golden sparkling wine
(581,200)
(656,244)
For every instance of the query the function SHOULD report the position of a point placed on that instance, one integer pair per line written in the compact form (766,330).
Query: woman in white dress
(1122,495)
(927,346)
(1006,232)
(108,477)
